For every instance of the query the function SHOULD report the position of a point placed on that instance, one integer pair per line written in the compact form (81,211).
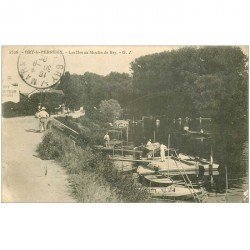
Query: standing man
(107,140)
(43,116)
(163,148)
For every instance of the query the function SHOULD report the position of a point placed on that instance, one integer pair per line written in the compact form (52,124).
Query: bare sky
(116,58)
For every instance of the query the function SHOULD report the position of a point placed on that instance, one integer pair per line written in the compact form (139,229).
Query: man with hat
(43,116)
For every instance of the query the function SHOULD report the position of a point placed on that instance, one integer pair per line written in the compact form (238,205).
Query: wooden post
(197,169)
(168,152)
(143,128)
(226,183)
(154,135)
(211,166)
(127,134)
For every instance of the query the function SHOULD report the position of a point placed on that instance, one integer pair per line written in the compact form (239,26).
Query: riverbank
(93,176)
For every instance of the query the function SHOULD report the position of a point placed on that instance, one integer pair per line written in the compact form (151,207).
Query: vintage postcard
(125,124)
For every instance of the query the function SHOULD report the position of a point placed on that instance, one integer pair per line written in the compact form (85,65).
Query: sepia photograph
(125,124)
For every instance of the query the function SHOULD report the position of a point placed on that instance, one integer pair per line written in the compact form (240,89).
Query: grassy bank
(92,176)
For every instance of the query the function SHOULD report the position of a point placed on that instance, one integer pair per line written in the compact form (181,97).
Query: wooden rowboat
(176,192)
(159,179)
(194,160)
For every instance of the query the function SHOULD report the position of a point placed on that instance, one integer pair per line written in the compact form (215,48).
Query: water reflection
(228,142)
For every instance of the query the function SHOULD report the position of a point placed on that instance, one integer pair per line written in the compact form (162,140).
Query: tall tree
(206,81)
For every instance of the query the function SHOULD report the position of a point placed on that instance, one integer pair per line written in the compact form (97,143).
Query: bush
(54,145)
(111,110)
(90,131)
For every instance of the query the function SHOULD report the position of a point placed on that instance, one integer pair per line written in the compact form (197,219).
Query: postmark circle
(41,69)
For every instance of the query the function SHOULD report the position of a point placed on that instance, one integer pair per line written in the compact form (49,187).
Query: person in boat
(163,148)
(149,143)
(107,140)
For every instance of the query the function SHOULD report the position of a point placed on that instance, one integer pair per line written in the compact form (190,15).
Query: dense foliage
(205,81)
(110,109)
(91,131)
(90,89)
(28,106)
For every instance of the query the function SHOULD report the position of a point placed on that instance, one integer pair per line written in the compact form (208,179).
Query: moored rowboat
(159,179)
(176,192)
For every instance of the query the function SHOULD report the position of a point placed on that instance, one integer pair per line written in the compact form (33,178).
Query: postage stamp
(41,68)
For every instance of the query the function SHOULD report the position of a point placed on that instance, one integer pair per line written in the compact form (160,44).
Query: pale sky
(103,64)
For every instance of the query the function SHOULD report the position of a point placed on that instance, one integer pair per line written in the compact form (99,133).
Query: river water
(228,144)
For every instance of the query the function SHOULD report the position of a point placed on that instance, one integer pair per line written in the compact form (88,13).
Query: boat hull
(158,180)
(175,192)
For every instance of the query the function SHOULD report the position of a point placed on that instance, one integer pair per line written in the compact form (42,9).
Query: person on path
(43,116)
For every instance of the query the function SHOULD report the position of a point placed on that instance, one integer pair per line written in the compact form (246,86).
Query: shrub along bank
(91,131)
(92,176)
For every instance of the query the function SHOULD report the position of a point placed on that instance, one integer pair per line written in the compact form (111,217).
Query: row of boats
(160,177)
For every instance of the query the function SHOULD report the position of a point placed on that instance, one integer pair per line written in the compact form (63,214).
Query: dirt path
(23,174)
